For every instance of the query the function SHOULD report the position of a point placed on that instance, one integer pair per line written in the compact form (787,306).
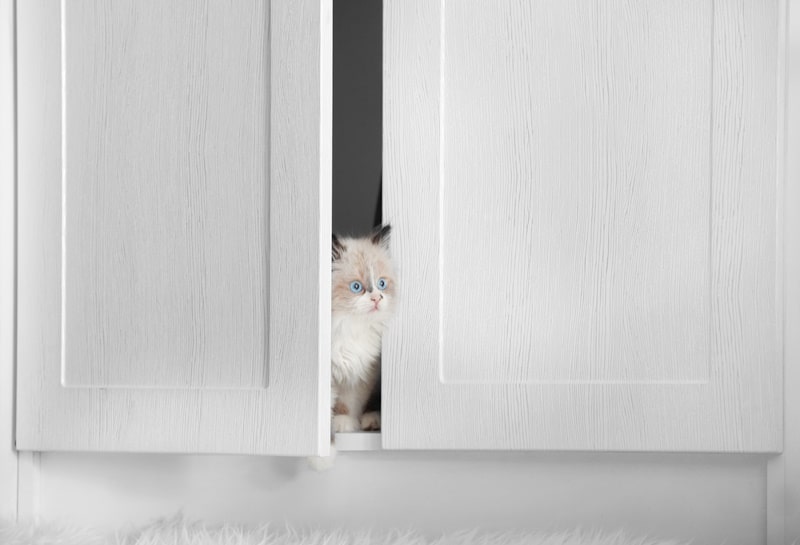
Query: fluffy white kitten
(363,288)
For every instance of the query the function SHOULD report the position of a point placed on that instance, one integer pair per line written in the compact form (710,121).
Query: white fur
(322,463)
(344,423)
(177,531)
(355,345)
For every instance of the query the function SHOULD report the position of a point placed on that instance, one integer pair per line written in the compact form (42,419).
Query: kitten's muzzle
(376,297)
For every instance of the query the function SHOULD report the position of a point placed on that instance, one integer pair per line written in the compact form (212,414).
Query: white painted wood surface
(358,441)
(585,210)
(29,490)
(290,415)
(165,193)
(561,124)
(8,458)
(791,453)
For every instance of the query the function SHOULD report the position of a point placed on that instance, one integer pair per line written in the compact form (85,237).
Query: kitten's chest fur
(355,347)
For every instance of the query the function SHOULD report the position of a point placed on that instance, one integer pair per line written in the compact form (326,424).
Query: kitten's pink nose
(375,296)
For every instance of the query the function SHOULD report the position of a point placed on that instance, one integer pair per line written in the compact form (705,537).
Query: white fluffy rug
(177,531)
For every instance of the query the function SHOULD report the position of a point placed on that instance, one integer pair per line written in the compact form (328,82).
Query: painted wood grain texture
(166,193)
(580,136)
(597,187)
(9,465)
(289,415)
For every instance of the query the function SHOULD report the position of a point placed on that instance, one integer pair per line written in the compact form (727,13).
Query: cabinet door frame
(421,411)
(8,458)
(291,415)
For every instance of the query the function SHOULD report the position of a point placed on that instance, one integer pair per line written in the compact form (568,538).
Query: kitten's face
(362,278)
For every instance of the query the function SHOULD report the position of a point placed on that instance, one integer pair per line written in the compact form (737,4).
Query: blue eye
(356,287)
(382,284)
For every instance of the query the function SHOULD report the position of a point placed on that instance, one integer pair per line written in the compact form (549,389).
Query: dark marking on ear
(336,249)
(381,235)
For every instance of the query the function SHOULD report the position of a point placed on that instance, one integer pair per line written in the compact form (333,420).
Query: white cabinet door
(585,201)
(174,225)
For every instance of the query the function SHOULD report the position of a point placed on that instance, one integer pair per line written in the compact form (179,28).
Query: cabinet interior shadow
(357,104)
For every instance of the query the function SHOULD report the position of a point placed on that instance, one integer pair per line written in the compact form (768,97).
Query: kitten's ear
(381,234)
(336,249)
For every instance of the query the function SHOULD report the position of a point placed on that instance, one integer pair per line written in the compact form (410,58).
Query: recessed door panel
(580,136)
(165,193)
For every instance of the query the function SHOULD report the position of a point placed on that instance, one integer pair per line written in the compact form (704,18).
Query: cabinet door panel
(165,193)
(585,201)
(591,255)
(174,227)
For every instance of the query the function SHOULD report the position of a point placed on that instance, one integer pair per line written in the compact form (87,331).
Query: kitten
(363,288)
